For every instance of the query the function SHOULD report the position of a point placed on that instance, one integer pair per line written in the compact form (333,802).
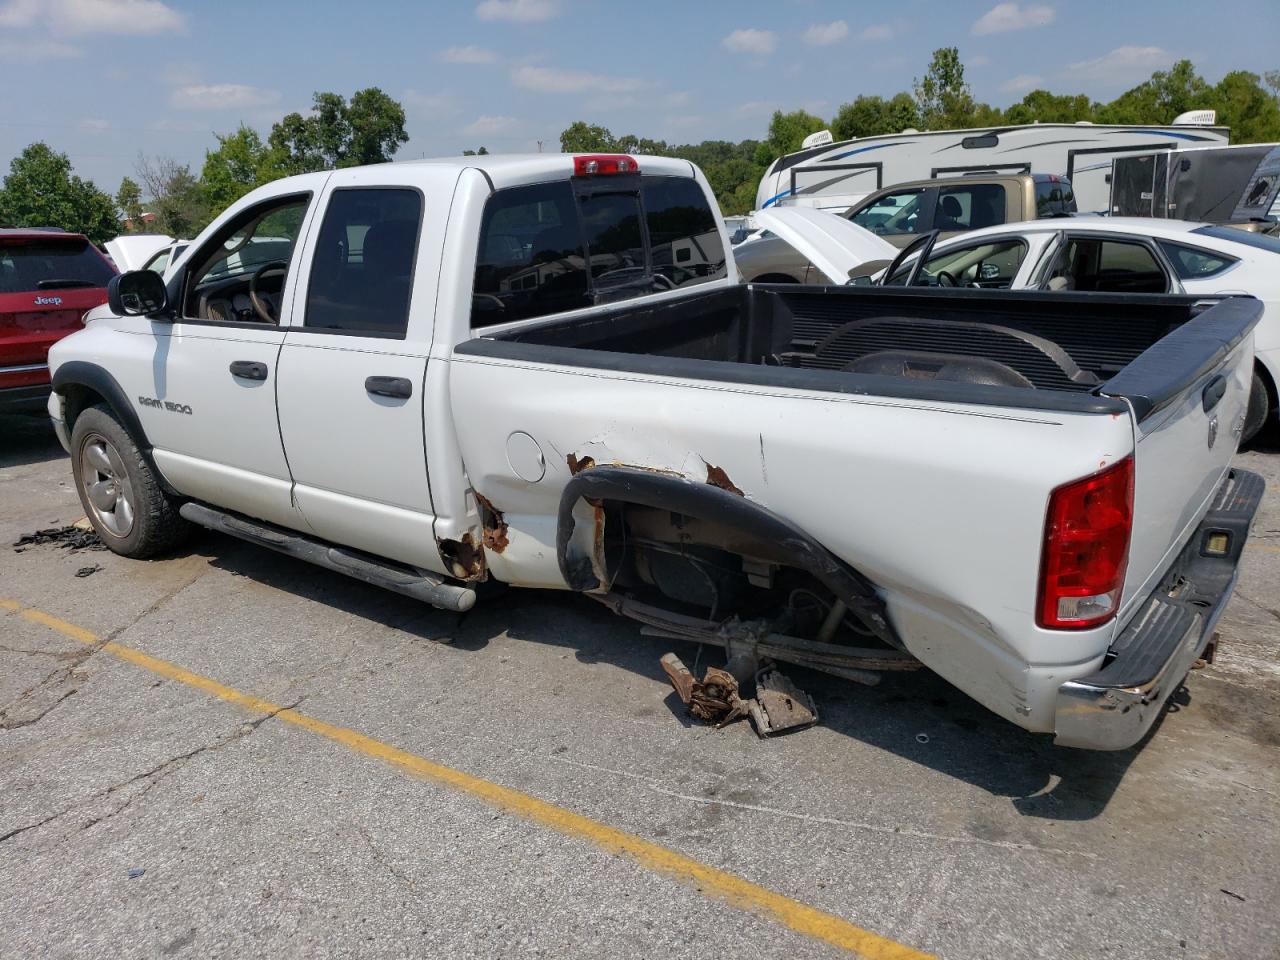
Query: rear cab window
(1054,198)
(29,264)
(552,247)
(970,206)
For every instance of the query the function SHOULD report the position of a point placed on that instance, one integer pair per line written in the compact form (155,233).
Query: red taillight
(1086,546)
(599,164)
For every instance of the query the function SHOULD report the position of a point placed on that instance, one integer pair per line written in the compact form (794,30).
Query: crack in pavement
(381,858)
(153,776)
(77,658)
(1265,609)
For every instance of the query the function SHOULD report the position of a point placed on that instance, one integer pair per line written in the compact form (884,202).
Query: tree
(129,200)
(41,191)
(942,96)
(870,116)
(336,133)
(1041,106)
(786,132)
(581,137)
(240,163)
(482,152)
(1252,113)
(177,198)
(1160,99)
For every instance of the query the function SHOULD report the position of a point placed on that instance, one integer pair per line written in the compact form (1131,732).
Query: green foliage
(240,163)
(1252,113)
(368,129)
(786,132)
(482,152)
(580,137)
(943,98)
(129,200)
(41,191)
(1041,106)
(178,199)
(1160,99)
(873,116)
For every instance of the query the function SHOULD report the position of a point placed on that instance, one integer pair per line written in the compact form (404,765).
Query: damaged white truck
(543,370)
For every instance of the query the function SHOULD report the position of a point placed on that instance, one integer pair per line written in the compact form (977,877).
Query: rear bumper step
(1113,708)
(412,583)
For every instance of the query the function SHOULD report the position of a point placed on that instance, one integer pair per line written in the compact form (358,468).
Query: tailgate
(1189,393)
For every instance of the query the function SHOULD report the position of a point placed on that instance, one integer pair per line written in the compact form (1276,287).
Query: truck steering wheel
(261,306)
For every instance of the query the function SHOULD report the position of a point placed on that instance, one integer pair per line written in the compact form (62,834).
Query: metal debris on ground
(716,699)
(70,537)
(88,571)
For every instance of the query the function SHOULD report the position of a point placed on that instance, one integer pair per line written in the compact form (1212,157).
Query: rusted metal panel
(495,535)
(576,465)
(718,478)
(464,558)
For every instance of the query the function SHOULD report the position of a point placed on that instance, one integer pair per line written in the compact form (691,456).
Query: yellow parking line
(705,879)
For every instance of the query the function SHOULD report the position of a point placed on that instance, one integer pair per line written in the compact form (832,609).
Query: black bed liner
(1143,348)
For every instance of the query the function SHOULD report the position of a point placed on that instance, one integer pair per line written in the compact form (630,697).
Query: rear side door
(353,368)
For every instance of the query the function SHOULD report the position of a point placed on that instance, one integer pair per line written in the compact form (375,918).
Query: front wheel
(1259,407)
(119,491)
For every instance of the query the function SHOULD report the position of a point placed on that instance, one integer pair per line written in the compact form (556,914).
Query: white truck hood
(130,252)
(831,243)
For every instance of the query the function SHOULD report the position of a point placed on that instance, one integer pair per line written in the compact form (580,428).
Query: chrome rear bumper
(1114,707)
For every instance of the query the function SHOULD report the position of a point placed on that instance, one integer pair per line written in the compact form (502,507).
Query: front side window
(1107,266)
(28,265)
(970,207)
(991,266)
(1192,264)
(362,270)
(894,213)
(239,275)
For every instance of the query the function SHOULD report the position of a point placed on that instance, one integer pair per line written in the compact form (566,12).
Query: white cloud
(1022,82)
(467,55)
(489,126)
(221,96)
(981,60)
(825,34)
(36,50)
(1004,17)
(519,11)
(69,17)
(553,80)
(758,42)
(431,104)
(877,32)
(1122,64)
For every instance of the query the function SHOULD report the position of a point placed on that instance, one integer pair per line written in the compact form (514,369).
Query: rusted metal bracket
(716,699)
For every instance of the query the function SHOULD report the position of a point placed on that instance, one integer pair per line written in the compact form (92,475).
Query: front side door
(898,216)
(205,390)
(352,379)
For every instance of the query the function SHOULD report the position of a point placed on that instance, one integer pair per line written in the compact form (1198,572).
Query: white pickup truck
(543,370)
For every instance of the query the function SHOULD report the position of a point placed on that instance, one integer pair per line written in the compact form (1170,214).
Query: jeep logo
(48,301)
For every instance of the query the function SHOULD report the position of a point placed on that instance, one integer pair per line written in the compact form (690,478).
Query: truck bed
(1074,352)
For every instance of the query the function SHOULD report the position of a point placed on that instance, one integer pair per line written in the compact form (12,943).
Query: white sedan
(1113,255)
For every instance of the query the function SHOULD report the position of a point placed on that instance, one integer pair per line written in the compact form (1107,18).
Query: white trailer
(837,175)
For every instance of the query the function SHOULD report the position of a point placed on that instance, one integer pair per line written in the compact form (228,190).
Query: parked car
(133,251)
(48,279)
(160,260)
(532,383)
(1121,255)
(902,212)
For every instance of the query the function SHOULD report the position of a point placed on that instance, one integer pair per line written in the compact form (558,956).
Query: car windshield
(51,264)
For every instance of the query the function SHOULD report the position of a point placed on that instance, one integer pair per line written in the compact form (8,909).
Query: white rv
(836,175)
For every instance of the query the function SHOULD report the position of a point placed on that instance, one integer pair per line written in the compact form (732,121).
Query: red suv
(48,279)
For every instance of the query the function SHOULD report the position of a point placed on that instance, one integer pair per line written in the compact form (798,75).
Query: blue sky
(105,79)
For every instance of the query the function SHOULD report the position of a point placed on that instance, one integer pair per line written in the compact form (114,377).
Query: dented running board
(379,573)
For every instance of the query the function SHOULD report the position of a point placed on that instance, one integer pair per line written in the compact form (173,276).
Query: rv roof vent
(1084,123)
(1196,118)
(819,139)
(910,130)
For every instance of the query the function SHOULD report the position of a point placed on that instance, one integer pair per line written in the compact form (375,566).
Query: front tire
(120,492)
(1258,409)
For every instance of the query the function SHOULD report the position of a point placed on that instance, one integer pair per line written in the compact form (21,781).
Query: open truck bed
(916,437)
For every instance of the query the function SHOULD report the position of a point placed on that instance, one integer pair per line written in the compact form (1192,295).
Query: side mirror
(138,293)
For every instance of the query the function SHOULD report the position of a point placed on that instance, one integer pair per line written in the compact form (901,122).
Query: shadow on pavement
(964,740)
(27,439)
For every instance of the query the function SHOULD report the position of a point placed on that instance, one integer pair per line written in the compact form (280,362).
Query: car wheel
(119,490)
(1257,410)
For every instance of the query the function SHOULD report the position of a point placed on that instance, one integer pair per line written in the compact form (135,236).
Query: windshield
(51,264)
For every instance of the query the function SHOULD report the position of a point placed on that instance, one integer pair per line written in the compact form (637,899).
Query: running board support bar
(410,582)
